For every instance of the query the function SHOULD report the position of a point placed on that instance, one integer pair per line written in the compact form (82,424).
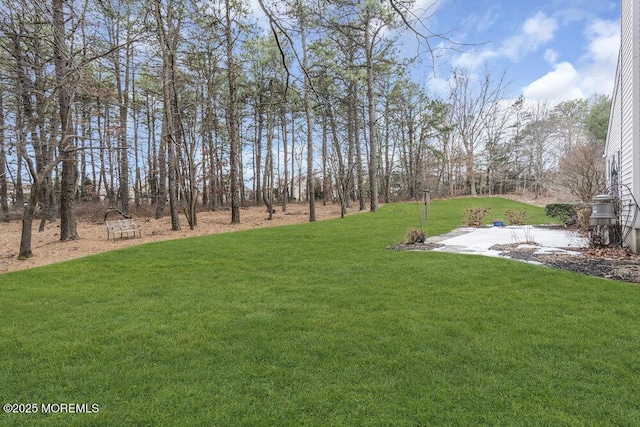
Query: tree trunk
(325,175)
(168,43)
(373,150)
(4,194)
(213,164)
(27,224)
(358,147)
(257,165)
(67,146)
(307,113)
(123,145)
(285,187)
(342,182)
(173,184)
(232,124)
(137,187)
(471,173)
(268,163)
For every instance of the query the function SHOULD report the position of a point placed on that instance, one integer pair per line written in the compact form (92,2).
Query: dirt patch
(48,248)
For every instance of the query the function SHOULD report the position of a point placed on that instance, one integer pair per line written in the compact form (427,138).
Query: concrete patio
(478,241)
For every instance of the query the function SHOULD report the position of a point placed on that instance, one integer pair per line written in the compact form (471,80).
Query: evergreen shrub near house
(565,212)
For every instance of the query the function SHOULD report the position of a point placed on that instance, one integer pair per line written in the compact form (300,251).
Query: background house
(622,150)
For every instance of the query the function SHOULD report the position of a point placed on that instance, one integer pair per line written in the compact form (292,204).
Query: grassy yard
(319,324)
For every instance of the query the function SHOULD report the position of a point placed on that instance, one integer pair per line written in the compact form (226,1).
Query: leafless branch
(274,24)
(423,38)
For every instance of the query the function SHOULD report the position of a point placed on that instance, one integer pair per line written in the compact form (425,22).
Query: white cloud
(474,60)
(484,22)
(593,74)
(429,6)
(551,56)
(535,32)
(439,86)
(605,40)
(561,84)
(602,56)
(540,27)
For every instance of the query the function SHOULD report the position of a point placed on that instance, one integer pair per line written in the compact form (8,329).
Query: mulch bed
(414,246)
(611,263)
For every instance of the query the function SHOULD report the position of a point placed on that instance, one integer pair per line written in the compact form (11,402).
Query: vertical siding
(626,90)
(623,137)
(614,130)
(633,139)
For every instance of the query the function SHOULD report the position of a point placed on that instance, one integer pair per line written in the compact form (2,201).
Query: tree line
(184,104)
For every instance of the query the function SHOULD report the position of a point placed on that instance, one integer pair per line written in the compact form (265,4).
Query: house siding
(613,145)
(622,149)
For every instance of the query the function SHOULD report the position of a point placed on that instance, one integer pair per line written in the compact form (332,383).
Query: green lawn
(320,324)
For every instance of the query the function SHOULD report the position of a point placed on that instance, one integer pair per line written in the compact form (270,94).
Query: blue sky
(550,51)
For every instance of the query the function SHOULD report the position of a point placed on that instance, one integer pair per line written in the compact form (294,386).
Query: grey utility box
(603,212)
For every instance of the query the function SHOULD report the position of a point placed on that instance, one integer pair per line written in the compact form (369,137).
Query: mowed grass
(320,324)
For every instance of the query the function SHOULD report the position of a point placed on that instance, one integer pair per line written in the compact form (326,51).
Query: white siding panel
(613,144)
(626,93)
(623,137)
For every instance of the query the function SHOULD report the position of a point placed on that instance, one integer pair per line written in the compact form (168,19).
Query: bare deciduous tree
(168,20)
(472,104)
(582,171)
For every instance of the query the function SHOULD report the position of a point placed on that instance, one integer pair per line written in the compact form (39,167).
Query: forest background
(182,105)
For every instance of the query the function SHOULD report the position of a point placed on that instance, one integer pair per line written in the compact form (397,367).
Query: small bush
(583,218)
(517,216)
(475,217)
(565,212)
(415,236)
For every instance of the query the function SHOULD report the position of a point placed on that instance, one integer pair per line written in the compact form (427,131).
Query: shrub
(583,217)
(476,216)
(517,216)
(415,236)
(565,212)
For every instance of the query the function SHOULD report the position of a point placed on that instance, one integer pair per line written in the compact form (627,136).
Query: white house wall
(628,116)
(623,139)
(614,146)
